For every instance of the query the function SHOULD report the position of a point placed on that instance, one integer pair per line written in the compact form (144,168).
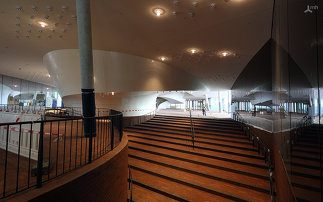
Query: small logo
(310,9)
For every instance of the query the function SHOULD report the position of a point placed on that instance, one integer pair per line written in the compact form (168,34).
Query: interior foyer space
(164,100)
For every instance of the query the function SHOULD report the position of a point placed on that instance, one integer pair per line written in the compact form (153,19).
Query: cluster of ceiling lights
(42,22)
(197,52)
(192,51)
(160,11)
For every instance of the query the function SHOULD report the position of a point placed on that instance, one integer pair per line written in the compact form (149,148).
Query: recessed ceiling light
(163,58)
(48,75)
(225,53)
(112,93)
(193,50)
(43,24)
(15,86)
(158,11)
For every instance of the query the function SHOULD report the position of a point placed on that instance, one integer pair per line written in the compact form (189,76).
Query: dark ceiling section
(257,74)
(257,77)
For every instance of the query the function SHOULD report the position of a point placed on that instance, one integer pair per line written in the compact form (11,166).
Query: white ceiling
(129,26)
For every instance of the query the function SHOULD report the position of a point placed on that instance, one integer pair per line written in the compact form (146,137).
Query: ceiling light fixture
(193,50)
(158,11)
(225,53)
(112,93)
(43,24)
(162,58)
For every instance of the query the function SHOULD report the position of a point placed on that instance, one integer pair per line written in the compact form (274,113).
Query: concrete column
(86,61)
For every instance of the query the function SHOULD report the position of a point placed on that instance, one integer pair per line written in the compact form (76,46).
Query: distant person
(204,111)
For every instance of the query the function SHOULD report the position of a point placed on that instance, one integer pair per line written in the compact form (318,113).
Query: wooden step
(223,165)
(206,160)
(197,124)
(229,149)
(210,138)
(204,133)
(254,159)
(183,191)
(306,195)
(188,128)
(214,120)
(202,183)
(212,141)
(143,192)
(261,185)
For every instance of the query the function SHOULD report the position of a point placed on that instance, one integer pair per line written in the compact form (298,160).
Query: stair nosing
(189,184)
(266,191)
(204,155)
(199,141)
(202,163)
(203,148)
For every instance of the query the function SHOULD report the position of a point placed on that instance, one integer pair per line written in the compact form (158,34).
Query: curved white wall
(134,79)
(116,72)
(130,104)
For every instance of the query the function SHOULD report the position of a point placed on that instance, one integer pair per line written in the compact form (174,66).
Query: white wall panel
(117,72)
(131,104)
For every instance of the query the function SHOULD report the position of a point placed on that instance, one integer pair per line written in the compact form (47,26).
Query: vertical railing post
(6,162)
(121,126)
(112,133)
(40,156)
(271,184)
(265,154)
(90,140)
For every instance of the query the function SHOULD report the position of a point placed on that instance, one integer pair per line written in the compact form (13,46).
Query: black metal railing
(261,148)
(24,109)
(192,130)
(130,184)
(34,152)
(74,111)
(131,121)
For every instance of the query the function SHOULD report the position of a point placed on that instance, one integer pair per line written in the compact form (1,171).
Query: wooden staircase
(305,164)
(222,166)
